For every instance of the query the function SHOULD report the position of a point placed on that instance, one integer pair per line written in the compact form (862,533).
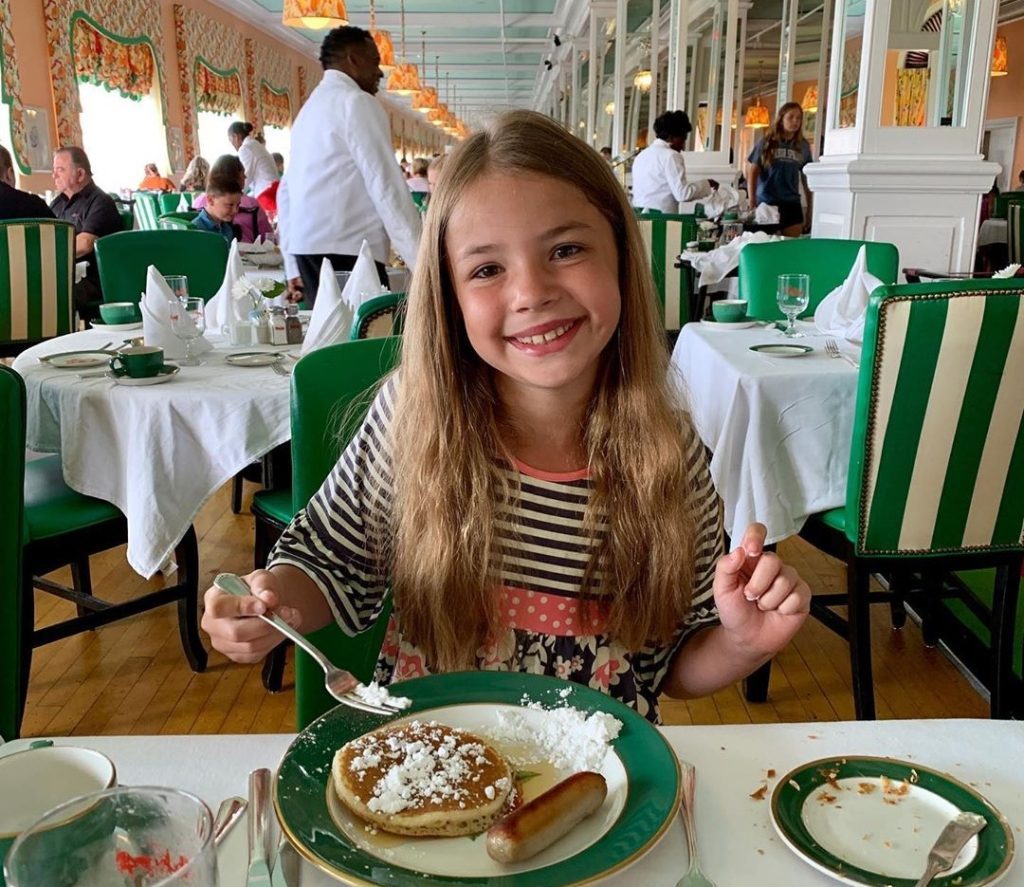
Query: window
(278,140)
(213,134)
(121,136)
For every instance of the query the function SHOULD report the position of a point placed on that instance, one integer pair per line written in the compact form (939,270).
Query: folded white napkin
(766,214)
(156,318)
(715,265)
(332,317)
(841,313)
(363,283)
(183,206)
(725,197)
(229,305)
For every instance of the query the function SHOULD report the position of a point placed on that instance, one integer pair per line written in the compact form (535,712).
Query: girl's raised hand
(761,601)
(230,621)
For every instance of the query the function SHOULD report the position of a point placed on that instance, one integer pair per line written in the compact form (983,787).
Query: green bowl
(120,312)
(705,246)
(729,310)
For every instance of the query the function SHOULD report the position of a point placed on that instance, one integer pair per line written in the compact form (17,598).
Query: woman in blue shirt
(775,174)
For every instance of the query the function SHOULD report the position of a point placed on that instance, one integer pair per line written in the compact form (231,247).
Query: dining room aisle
(131,677)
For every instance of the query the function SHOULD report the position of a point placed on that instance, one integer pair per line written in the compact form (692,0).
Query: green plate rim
(989,864)
(652,769)
(804,349)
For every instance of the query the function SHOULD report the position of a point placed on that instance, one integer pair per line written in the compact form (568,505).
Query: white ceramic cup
(239,333)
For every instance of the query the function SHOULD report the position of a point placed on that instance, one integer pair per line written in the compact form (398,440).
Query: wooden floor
(131,677)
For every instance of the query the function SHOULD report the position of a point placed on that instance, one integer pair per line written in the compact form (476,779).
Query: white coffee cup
(239,332)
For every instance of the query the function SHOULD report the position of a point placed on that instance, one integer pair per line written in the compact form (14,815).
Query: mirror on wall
(706,71)
(844,113)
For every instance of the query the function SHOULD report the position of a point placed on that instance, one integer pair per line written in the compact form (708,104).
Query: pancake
(423,779)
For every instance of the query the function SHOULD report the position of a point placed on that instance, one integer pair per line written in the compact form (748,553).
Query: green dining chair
(12,491)
(58,527)
(180,221)
(332,389)
(380,316)
(1015,233)
(936,468)
(124,258)
(420,199)
(665,236)
(37,269)
(146,209)
(167,203)
(1003,201)
(827,261)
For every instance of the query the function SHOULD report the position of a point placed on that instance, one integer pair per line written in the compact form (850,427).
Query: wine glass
(793,295)
(178,285)
(144,837)
(188,323)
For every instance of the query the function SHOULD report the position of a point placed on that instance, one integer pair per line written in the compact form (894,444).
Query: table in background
(735,833)
(779,429)
(156,452)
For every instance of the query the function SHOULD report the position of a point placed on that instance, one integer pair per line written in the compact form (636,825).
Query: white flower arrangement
(1008,271)
(257,290)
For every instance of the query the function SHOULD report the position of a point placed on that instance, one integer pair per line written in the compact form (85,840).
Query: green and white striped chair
(37,272)
(665,237)
(147,210)
(936,478)
(1015,233)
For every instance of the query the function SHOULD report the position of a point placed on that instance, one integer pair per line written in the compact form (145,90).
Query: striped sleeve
(653,663)
(328,539)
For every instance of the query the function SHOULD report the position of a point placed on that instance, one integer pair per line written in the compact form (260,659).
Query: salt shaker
(278,326)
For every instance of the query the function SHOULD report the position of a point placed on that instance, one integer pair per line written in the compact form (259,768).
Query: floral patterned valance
(217,91)
(276,105)
(126,67)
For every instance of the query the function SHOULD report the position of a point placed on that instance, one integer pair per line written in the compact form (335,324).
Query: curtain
(219,93)
(911,96)
(127,68)
(277,107)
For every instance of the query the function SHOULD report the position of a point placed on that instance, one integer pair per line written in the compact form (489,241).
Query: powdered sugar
(570,739)
(374,694)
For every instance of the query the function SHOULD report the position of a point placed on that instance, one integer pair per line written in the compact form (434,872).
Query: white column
(574,98)
(787,52)
(652,103)
(820,115)
(619,118)
(592,77)
(678,41)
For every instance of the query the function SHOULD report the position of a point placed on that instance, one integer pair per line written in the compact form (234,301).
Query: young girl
(775,172)
(526,483)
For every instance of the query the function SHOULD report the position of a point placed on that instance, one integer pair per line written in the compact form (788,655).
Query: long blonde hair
(451,463)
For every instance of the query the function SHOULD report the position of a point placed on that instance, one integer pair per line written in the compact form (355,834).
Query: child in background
(223,195)
(775,170)
(527,484)
(251,220)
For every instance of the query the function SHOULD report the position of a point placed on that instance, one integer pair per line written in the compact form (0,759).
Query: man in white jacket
(343,185)
(659,174)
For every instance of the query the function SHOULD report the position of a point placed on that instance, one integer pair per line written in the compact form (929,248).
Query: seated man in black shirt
(15,204)
(93,213)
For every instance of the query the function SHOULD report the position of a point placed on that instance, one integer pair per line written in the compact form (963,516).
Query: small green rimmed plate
(871,821)
(783,349)
(643,791)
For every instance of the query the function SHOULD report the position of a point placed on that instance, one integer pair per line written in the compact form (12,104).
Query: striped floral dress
(544,560)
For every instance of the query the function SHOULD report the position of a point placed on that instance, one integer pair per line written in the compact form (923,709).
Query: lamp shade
(404,80)
(425,100)
(385,49)
(315,14)
(642,80)
(757,115)
(810,100)
(999,58)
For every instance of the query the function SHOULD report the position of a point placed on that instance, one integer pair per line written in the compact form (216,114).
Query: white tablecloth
(737,841)
(157,452)
(993,231)
(778,428)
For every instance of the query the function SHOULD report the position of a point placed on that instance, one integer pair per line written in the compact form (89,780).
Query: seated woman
(195,175)
(251,220)
(417,182)
(223,195)
(153,181)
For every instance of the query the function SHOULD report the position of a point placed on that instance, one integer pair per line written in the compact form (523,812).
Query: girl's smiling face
(535,270)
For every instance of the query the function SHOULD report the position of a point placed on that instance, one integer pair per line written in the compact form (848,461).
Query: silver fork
(694,877)
(279,369)
(338,682)
(832,350)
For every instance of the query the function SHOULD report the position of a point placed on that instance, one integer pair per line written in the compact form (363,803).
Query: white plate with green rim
(641,769)
(872,820)
(783,349)
(253,358)
(116,327)
(165,375)
(724,325)
(77,360)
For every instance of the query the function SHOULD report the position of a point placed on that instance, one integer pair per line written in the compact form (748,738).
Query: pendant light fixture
(1000,58)
(435,116)
(404,80)
(810,99)
(426,99)
(314,14)
(757,114)
(385,48)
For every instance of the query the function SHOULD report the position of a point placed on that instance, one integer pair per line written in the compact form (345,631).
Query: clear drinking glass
(188,323)
(793,296)
(178,285)
(121,837)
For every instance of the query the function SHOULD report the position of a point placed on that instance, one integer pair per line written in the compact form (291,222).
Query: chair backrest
(665,236)
(937,458)
(124,258)
(332,388)
(37,272)
(1015,232)
(1002,203)
(827,261)
(168,202)
(177,220)
(420,198)
(146,209)
(379,317)
(189,197)
(12,491)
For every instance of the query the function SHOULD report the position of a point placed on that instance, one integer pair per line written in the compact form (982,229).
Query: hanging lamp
(1000,58)
(642,80)
(405,79)
(810,99)
(385,48)
(314,14)
(426,99)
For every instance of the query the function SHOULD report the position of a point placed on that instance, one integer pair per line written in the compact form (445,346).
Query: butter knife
(952,840)
(259,829)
